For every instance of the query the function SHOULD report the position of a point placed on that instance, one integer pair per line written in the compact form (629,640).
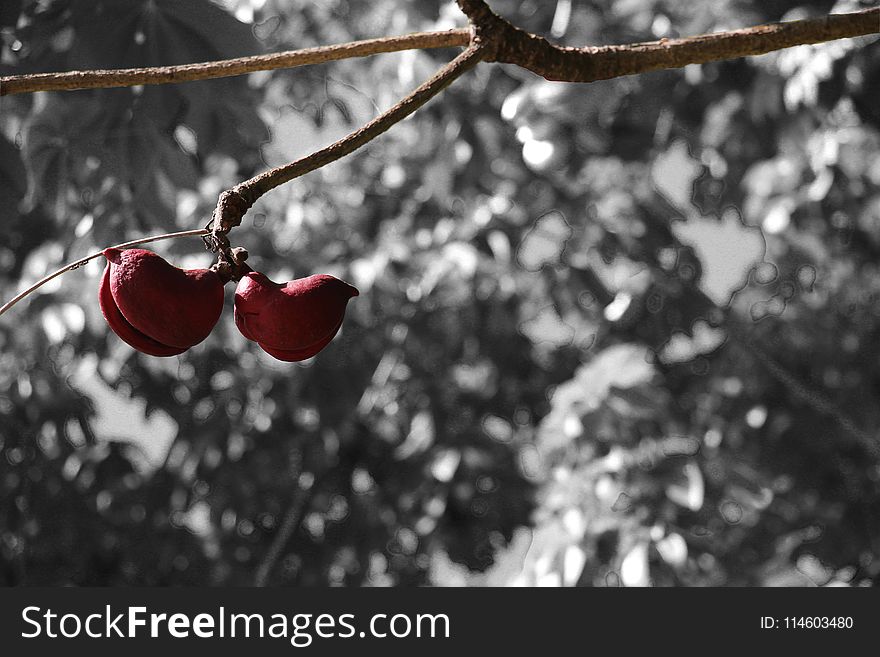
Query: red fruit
(155,307)
(126,331)
(291,321)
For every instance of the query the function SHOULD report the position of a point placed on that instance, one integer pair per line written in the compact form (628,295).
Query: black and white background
(622,334)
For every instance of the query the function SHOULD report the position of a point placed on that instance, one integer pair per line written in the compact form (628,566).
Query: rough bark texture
(510,45)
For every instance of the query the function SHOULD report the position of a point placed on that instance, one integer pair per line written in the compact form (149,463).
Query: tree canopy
(613,333)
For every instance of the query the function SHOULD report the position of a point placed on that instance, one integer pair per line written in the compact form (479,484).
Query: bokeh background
(623,333)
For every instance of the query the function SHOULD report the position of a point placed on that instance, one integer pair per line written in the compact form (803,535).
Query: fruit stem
(79,263)
(230,265)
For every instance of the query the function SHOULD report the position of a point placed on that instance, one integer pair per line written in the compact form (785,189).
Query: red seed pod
(291,321)
(155,307)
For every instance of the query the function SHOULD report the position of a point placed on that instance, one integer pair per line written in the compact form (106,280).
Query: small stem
(229,214)
(79,263)
(128,77)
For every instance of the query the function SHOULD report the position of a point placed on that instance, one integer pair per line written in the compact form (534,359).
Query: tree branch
(79,263)
(508,44)
(491,38)
(299,504)
(235,202)
(502,42)
(816,398)
(101,79)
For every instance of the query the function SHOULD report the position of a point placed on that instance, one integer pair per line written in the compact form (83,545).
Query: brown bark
(72,80)
(510,45)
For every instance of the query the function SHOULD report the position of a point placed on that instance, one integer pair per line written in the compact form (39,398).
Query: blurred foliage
(615,334)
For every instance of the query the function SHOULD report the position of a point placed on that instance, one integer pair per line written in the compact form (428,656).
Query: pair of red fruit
(162,310)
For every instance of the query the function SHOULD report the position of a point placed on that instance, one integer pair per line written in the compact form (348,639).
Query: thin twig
(302,498)
(102,79)
(816,398)
(228,214)
(79,263)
